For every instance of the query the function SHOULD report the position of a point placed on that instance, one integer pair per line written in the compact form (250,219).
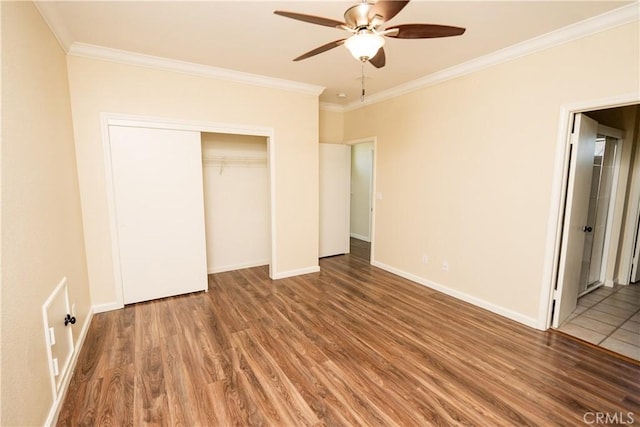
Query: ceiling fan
(364,21)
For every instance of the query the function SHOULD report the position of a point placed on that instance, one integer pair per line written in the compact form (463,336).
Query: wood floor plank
(248,400)
(147,325)
(81,407)
(150,399)
(350,345)
(295,365)
(220,413)
(116,400)
(290,407)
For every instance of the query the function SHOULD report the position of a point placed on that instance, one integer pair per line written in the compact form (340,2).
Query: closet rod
(224,161)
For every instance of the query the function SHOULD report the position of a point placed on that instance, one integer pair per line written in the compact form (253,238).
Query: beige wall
(331,127)
(99,86)
(465,167)
(41,222)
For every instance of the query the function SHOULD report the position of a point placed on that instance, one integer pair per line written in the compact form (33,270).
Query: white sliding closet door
(157,182)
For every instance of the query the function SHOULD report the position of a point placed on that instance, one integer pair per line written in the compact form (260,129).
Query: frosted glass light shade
(364,46)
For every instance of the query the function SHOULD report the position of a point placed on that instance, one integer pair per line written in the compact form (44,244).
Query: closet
(237,201)
(185,203)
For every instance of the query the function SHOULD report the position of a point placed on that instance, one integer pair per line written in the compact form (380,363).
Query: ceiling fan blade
(320,49)
(310,18)
(380,59)
(387,8)
(424,31)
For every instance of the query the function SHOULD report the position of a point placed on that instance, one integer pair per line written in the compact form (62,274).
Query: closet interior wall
(236,198)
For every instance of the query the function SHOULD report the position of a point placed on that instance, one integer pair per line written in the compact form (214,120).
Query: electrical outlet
(445,265)
(425,259)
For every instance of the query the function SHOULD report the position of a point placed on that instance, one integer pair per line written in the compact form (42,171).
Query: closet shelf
(235,161)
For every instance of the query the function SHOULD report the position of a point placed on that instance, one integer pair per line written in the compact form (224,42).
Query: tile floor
(610,318)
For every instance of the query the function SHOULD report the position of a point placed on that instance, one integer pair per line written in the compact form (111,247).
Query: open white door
(335,177)
(583,142)
(157,183)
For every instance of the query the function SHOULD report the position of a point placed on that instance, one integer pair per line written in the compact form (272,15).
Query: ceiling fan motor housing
(361,16)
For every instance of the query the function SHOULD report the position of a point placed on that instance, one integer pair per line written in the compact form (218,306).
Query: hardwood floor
(360,249)
(351,345)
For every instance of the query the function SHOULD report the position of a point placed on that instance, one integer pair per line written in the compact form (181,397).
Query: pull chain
(362,82)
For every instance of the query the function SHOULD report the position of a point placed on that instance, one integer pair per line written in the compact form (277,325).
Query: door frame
(559,193)
(635,252)
(631,228)
(116,119)
(372,217)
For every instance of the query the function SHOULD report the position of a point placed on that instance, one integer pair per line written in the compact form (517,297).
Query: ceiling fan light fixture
(365,22)
(364,45)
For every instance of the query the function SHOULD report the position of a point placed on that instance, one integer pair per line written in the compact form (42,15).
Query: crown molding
(590,26)
(603,22)
(65,39)
(329,106)
(131,58)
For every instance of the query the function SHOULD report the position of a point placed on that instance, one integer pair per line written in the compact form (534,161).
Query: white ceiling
(246,36)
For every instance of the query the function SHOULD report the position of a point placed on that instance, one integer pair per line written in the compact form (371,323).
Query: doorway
(591,189)
(347,203)
(362,196)
(599,213)
(361,190)
(601,308)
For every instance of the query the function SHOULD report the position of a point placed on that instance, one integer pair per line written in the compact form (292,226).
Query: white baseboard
(359,237)
(54,412)
(298,272)
(232,267)
(502,311)
(109,306)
